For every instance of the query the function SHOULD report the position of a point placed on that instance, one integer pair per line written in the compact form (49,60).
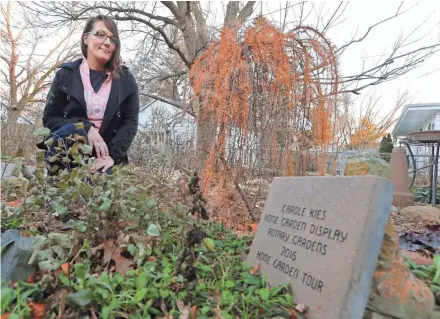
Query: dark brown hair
(113,66)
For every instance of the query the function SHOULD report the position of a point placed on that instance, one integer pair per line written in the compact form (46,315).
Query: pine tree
(386,145)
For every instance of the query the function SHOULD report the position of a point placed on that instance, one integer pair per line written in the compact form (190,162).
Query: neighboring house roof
(23,119)
(146,111)
(413,117)
(185,125)
(143,108)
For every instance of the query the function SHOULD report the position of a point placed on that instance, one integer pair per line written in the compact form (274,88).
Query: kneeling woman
(97,91)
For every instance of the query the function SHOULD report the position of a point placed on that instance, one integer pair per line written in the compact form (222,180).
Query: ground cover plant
(106,247)
(429,274)
(119,247)
(423,194)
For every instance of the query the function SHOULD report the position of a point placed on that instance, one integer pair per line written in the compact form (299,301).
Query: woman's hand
(103,162)
(97,143)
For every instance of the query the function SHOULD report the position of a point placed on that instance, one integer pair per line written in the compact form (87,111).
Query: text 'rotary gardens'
(299,226)
(302,230)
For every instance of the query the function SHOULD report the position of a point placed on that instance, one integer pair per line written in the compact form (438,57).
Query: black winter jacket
(66,104)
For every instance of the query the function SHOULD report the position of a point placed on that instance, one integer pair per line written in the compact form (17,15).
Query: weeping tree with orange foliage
(264,91)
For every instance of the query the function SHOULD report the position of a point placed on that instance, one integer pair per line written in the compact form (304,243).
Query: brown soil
(226,206)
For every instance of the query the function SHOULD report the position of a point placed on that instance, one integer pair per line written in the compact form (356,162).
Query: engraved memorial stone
(323,235)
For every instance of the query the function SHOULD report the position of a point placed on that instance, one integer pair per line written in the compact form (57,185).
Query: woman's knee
(70,129)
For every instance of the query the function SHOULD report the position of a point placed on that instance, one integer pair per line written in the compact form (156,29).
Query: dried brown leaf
(218,313)
(95,249)
(194,311)
(62,302)
(14,203)
(37,310)
(32,278)
(108,247)
(122,239)
(93,313)
(163,307)
(293,312)
(122,264)
(254,270)
(65,268)
(184,310)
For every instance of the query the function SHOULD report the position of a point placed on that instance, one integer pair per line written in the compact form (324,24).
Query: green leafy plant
(15,300)
(429,274)
(110,244)
(424,195)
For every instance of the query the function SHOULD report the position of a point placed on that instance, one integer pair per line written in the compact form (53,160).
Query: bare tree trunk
(205,137)
(14,115)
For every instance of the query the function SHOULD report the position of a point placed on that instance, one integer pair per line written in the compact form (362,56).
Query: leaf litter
(112,251)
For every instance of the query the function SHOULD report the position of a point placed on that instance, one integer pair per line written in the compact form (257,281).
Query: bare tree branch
(169,101)
(246,12)
(398,13)
(411,61)
(28,74)
(173,8)
(162,33)
(331,18)
(167,76)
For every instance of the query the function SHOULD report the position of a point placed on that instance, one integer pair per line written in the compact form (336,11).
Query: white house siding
(422,153)
(432,124)
(437,122)
(181,132)
(418,117)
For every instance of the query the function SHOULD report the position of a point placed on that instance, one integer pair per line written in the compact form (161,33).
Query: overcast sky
(423,84)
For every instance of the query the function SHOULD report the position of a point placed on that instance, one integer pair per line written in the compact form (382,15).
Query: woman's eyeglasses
(103,36)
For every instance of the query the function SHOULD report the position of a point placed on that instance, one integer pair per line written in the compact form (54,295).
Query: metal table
(426,138)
